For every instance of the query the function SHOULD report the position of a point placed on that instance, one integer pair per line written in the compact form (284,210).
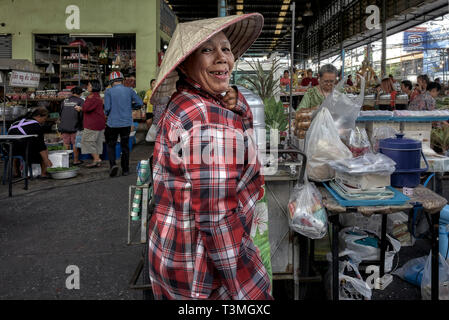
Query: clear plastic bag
(368,163)
(307,215)
(151,134)
(443,273)
(322,145)
(380,133)
(344,110)
(358,142)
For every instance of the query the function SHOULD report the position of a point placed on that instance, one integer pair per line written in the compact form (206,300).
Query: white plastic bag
(322,145)
(344,110)
(307,215)
(443,274)
(358,142)
(352,287)
(360,241)
(151,134)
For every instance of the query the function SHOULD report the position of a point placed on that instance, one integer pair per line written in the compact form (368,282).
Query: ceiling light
(309,61)
(278,31)
(239,13)
(239,7)
(308,12)
(299,18)
(299,26)
(284,7)
(282,13)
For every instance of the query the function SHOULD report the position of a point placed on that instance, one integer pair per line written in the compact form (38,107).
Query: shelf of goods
(76,66)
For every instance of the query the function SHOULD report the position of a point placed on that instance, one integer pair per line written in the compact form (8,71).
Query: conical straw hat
(241,31)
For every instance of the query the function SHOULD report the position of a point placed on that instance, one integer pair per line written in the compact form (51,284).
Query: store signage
(73,20)
(24,79)
(373,20)
(415,40)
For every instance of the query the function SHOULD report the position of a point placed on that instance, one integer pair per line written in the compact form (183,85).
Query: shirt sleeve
(305,101)
(107,102)
(136,99)
(89,105)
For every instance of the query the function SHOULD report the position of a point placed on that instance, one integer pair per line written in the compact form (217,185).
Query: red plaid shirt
(199,239)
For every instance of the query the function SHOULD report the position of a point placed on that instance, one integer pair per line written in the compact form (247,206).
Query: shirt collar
(189,83)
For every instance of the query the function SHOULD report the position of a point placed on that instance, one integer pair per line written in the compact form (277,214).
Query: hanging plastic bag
(344,110)
(367,245)
(322,145)
(380,133)
(151,134)
(443,273)
(78,138)
(358,142)
(307,215)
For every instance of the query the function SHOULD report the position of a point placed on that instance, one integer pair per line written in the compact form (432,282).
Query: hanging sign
(24,79)
(415,39)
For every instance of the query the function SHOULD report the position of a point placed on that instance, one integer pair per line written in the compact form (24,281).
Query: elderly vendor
(316,95)
(206,182)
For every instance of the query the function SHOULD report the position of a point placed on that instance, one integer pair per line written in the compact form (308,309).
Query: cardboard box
(366,181)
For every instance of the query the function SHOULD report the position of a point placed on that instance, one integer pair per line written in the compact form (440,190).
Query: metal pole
(383,61)
(222,8)
(342,48)
(292,57)
(4,76)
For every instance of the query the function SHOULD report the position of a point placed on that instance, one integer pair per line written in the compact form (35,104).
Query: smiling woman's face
(211,64)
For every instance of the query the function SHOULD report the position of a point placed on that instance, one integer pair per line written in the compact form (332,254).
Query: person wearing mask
(407,87)
(118,105)
(71,121)
(199,242)
(426,100)
(37,152)
(316,95)
(94,124)
(349,81)
(146,100)
(309,80)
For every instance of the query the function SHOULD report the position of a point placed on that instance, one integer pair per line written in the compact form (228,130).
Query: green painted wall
(24,18)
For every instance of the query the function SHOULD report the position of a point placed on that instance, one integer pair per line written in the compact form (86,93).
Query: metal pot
(66,174)
(384,99)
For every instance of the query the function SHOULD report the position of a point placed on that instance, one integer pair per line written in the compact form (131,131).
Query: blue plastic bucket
(407,155)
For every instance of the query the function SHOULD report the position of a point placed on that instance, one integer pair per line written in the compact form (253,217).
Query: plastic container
(444,232)
(407,155)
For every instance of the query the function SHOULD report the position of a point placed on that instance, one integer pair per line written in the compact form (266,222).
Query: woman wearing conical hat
(206,177)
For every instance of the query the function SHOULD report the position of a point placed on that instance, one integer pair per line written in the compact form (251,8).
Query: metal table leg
(383,244)
(335,261)
(435,257)
(26,163)
(10,166)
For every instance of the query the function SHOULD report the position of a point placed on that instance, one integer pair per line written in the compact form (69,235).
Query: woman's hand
(78,108)
(230,99)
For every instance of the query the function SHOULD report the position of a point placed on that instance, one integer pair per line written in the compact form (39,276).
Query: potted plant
(264,83)
(440,139)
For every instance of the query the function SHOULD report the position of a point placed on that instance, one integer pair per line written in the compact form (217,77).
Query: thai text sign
(415,39)
(24,79)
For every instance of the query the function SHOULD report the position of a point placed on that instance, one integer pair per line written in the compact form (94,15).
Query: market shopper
(349,81)
(407,87)
(387,88)
(37,152)
(199,240)
(71,121)
(146,100)
(309,80)
(316,95)
(423,80)
(118,105)
(426,100)
(94,124)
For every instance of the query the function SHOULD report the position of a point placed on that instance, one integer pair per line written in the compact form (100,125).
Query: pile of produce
(442,103)
(303,118)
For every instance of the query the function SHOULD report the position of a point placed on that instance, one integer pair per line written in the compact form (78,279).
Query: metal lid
(400,143)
